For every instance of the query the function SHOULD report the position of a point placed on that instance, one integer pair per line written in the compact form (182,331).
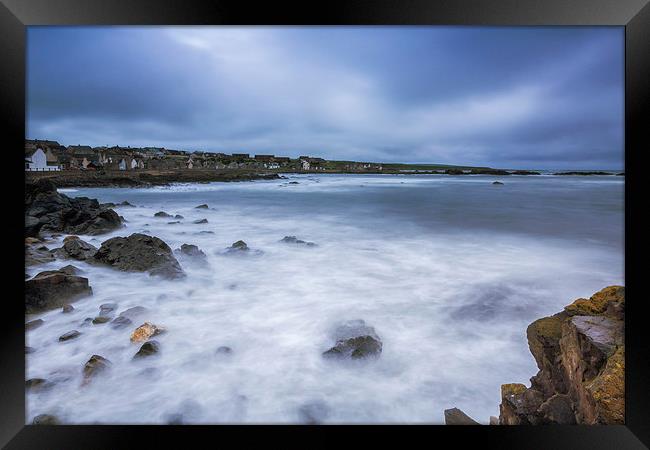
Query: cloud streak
(506,97)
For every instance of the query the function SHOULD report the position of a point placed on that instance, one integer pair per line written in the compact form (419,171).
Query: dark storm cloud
(507,97)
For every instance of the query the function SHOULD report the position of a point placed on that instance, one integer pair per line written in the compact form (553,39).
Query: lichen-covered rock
(139,253)
(145,331)
(53,289)
(75,248)
(455,416)
(355,340)
(580,354)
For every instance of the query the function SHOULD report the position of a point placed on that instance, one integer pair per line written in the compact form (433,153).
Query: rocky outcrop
(53,289)
(139,253)
(354,340)
(294,240)
(580,353)
(75,248)
(455,416)
(46,210)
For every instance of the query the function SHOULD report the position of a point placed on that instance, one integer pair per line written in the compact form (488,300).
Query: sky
(518,97)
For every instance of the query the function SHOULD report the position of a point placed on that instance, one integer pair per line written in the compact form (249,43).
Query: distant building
(305,164)
(264,157)
(241,156)
(37,160)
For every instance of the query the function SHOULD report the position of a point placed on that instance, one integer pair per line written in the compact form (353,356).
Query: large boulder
(355,340)
(139,253)
(53,289)
(580,353)
(46,210)
(75,248)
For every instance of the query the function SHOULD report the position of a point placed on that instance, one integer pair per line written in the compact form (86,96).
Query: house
(37,160)
(272,165)
(189,163)
(137,163)
(305,164)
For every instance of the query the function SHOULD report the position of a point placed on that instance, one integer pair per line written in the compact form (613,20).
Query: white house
(305,164)
(36,160)
(122,164)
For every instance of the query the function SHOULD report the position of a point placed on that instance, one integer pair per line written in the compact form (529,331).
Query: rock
(223,350)
(29,350)
(173,222)
(355,340)
(95,365)
(106,309)
(46,419)
(293,182)
(126,203)
(121,322)
(147,349)
(494,420)
(162,214)
(71,270)
(46,210)
(36,384)
(133,312)
(67,309)
(294,240)
(178,216)
(33,324)
(139,253)
(37,254)
(455,416)
(191,250)
(101,319)
(52,289)
(145,331)
(580,355)
(75,249)
(69,335)
(497,182)
(32,240)
(203,206)
(313,413)
(200,221)
(239,246)
(87,321)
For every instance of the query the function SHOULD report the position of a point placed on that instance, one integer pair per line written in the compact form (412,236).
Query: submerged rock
(36,384)
(52,289)
(455,416)
(46,419)
(191,250)
(203,206)
(139,253)
(223,350)
(101,319)
(200,221)
(147,349)
(294,240)
(106,309)
(355,340)
(46,210)
(497,182)
(33,324)
(313,413)
(94,366)
(69,335)
(162,214)
(145,331)
(75,248)
(132,313)
(580,353)
(121,322)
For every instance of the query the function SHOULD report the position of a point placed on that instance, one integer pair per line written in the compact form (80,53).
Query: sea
(449,270)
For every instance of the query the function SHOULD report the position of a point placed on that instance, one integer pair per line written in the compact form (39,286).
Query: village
(46,155)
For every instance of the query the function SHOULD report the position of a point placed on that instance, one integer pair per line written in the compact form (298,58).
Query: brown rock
(95,365)
(145,331)
(455,416)
(52,289)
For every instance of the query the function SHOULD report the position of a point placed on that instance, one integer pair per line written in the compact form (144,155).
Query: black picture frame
(16,15)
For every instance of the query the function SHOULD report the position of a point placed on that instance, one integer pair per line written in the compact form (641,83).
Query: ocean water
(448,270)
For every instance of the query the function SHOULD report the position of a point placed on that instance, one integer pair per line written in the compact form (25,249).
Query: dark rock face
(355,340)
(46,210)
(95,365)
(32,325)
(69,335)
(147,349)
(455,416)
(37,254)
(191,250)
(581,356)
(46,419)
(294,240)
(75,248)
(52,289)
(139,253)
(203,206)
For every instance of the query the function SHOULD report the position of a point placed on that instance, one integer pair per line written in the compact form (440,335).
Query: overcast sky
(503,97)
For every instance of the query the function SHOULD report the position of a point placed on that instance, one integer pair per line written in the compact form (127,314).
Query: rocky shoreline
(580,353)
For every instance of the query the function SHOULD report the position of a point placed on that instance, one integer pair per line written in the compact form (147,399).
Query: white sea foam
(450,303)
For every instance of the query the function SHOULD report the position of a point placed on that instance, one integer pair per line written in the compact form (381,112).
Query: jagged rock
(200,221)
(162,214)
(147,349)
(52,289)
(455,416)
(145,331)
(37,254)
(203,206)
(355,340)
(580,355)
(139,253)
(46,419)
(69,335)
(313,413)
(94,366)
(46,210)
(238,247)
(33,324)
(294,240)
(191,250)
(75,249)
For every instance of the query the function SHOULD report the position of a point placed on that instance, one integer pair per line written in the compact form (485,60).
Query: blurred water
(449,271)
